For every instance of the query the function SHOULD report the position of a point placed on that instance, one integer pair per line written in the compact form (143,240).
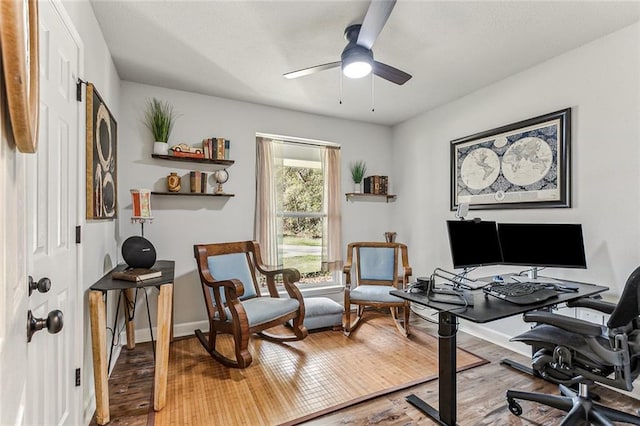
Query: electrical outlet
(591,316)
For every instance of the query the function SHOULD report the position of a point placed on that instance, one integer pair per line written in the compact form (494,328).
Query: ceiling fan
(357,57)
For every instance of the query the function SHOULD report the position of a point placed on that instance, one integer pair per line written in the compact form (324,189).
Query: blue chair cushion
(374,293)
(376,263)
(234,265)
(264,309)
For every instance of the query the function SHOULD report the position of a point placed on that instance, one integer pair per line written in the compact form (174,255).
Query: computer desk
(485,309)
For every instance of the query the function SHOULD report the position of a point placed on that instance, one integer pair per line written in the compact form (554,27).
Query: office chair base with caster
(580,408)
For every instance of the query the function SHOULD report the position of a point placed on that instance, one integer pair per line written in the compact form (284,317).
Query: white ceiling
(240,49)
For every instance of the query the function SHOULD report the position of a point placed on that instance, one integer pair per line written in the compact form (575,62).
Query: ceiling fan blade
(311,70)
(390,73)
(374,20)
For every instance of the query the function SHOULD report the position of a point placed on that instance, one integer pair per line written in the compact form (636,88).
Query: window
(297,207)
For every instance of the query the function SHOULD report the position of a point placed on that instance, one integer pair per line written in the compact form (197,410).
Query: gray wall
(181,222)
(600,82)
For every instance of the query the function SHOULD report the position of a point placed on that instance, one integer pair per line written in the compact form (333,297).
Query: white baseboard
(179,330)
(495,337)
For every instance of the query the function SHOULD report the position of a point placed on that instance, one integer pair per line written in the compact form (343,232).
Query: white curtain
(268,217)
(332,226)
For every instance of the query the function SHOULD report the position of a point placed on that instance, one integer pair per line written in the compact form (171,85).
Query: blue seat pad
(319,306)
(374,293)
(264,309)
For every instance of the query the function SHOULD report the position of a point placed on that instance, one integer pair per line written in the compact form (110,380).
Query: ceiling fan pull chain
(373,98)
(340,87)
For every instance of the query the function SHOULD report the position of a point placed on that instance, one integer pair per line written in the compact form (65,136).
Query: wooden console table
(97,311)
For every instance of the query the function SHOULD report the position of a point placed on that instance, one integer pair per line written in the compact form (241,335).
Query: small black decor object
(138,252)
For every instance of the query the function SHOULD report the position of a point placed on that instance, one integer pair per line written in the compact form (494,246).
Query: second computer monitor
(542,244)
(473,243)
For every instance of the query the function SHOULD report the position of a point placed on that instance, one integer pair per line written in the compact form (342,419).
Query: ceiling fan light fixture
(357,62)
(357,69)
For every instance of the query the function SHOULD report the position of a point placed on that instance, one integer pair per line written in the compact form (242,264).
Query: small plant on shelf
(159,119)
(358,169)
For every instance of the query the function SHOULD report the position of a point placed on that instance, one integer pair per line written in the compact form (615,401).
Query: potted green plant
(358,169)
(160,118)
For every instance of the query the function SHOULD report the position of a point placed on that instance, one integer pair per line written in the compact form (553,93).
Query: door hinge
(77,377)
(78,234)
(79,91)
(79,84)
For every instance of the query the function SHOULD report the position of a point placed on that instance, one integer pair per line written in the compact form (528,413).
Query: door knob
(43,285)
(53,323)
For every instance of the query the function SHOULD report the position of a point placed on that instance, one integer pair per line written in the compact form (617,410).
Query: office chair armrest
(595,304)
(574,325)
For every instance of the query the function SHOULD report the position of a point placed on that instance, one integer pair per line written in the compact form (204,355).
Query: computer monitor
(542,245)
(473,243)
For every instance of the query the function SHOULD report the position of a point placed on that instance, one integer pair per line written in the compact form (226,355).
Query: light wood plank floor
(481,392)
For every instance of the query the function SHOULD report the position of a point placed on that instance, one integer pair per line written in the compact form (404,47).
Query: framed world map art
(520,165)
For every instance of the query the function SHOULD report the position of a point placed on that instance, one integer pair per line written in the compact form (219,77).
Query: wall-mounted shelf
(193,194)
(220,164)
(352,196)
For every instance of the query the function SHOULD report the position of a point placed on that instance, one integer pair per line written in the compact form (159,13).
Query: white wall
(99,246)
(600,82)
(181,222)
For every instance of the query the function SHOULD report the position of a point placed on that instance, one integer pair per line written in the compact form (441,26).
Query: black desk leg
(446,415)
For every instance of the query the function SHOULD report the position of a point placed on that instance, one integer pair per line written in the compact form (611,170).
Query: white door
(52,215)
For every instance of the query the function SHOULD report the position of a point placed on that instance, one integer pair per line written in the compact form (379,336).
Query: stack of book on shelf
(378,185)
(216,148)
(198,181)
(136,274)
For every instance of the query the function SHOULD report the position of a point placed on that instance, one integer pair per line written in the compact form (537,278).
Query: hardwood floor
(481,393)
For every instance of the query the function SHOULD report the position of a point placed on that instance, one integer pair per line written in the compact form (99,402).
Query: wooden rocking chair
(376,274)
(234,303)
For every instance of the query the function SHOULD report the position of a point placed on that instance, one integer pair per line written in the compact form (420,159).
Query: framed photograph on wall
(520,165)
(102,137)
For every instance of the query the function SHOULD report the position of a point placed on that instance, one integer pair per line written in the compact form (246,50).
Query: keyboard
(521,293)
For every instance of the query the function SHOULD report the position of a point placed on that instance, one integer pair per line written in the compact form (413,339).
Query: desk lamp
(141,203)
(463,209)
(138,252)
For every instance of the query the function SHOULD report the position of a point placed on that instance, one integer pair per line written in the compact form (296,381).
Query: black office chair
(576,352)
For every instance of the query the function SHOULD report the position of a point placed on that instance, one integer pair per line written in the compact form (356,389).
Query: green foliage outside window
(302,192)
